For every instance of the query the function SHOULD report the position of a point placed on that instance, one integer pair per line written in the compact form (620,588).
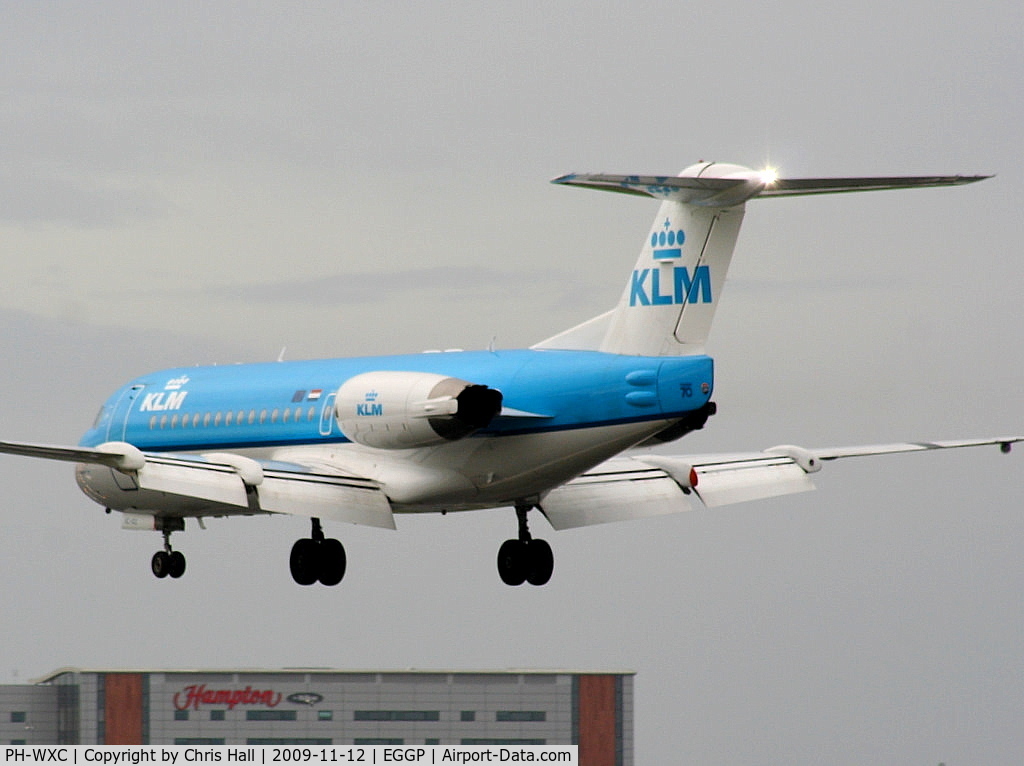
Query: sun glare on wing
(769,176)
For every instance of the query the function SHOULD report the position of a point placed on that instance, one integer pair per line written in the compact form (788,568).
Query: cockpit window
(101,416)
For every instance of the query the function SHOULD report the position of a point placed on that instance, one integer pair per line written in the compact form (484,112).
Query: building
(317,706)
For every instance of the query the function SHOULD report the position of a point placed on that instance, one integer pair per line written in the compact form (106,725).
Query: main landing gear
(525,559)
(169,562)
(317,558)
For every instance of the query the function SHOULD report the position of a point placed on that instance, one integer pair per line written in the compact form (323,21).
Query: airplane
(548,428)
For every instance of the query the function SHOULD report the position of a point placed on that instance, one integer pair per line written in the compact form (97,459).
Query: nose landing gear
(526,559)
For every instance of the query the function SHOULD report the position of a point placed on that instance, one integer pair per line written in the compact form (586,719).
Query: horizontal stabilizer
(741,186)
(792,187)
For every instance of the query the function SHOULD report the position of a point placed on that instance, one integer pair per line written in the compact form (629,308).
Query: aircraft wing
(226,479)
(645,485)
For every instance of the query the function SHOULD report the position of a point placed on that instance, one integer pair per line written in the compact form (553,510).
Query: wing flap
(337,498)
(298,491)
(617,490)
(301,491)
(740,482)
(207,481)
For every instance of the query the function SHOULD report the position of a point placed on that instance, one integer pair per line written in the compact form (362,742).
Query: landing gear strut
(168,561)
(525,559)
(317,558)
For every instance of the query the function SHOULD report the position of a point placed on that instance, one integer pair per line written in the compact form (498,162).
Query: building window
(521,715)
(397,715)
(289,741)
(198,740)
(325,715)
(19,717)
(378,741)
(217,715)
(467,715)
(270,715)
(496,741)
(432,741)
(19,742)
(180,715)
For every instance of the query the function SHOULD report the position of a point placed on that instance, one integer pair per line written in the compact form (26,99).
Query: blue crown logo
(667,243)
(371,396)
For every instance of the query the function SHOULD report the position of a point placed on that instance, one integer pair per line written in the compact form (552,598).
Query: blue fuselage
(282,404)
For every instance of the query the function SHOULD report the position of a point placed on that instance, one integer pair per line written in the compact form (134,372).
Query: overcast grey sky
(181,183)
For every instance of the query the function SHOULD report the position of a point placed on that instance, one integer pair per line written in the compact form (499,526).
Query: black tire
(176,564)
(541,562)
(332,561)
(512,562)
(304,561)
(160,564)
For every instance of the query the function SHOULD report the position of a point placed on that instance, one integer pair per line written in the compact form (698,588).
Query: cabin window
(252,416)
(228,418)
(174,421)
(274,415)
(163,421)
(206,420)
(195,420)
(311,414)
(152,422)
(286,416)
(216,420)
(263,417)
(240,418)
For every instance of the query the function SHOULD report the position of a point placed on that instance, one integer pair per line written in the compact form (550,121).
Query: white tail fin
(669,302)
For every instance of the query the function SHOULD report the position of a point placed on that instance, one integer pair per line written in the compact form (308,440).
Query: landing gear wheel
(525,559)
(168,562)
(540,562)
(161,564)
(512,562)
(332,561)
(305,561)
(176,564)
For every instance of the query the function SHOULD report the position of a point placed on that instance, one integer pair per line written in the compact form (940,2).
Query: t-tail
(669,302)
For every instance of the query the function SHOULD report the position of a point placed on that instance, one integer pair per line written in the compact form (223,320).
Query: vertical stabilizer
(670,299)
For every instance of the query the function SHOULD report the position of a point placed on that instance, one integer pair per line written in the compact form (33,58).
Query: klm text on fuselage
(646,288)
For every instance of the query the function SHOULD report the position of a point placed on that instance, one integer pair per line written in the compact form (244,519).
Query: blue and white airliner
(544,428)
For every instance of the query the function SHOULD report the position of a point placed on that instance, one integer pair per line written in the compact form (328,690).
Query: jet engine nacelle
(393,410)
